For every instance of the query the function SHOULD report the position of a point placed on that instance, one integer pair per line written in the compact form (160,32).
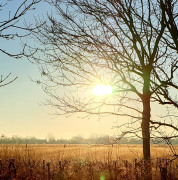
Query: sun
(102,90)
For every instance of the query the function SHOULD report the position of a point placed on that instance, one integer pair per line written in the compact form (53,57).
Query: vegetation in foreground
(103,162)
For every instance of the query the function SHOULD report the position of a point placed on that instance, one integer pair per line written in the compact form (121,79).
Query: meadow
(85,162)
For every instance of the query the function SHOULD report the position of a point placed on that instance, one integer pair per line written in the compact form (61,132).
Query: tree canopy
(128,44)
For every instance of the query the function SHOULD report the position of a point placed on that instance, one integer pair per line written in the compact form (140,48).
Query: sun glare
(102,90)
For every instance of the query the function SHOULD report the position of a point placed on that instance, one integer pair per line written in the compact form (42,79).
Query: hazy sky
(21,109)
(21,112)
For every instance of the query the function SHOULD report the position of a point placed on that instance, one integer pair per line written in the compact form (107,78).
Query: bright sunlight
(102,90)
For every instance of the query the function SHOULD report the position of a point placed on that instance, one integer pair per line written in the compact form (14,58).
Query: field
(93,162)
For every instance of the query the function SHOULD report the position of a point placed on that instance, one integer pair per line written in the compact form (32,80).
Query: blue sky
(21,109)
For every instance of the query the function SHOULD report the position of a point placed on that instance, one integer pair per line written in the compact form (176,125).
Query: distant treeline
(76,140)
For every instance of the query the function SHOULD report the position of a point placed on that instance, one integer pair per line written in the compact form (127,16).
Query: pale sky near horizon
(21,109)
(22,112)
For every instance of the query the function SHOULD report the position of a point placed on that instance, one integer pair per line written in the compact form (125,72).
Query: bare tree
(170,38)
(11,28)
(169,9)
(117,42)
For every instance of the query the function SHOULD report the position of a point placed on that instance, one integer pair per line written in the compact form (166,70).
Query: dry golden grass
(86,161)
(101,153)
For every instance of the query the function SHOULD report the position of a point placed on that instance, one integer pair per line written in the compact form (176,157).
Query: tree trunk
(146,137)
(146,126)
